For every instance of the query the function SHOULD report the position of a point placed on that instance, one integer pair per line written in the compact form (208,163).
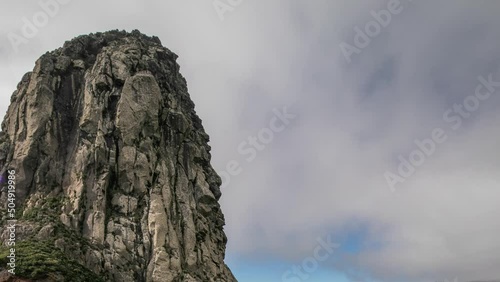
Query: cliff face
(112,167)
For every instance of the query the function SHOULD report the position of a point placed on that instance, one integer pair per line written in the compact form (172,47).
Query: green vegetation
(47,212)
(36,259)
(41,259)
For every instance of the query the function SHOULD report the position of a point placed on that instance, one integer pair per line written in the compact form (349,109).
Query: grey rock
(113,164)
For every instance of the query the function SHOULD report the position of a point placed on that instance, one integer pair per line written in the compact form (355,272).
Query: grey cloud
(327,168)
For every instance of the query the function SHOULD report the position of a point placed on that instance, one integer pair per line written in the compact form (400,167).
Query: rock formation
(112,166)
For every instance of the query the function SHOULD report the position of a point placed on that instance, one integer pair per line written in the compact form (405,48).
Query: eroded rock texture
(112,163)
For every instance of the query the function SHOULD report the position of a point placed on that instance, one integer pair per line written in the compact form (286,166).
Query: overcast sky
(356,104)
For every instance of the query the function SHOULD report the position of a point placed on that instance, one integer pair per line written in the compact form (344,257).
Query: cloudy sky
(371,126)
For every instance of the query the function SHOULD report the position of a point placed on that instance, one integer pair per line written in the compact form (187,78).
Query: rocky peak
(112,167)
